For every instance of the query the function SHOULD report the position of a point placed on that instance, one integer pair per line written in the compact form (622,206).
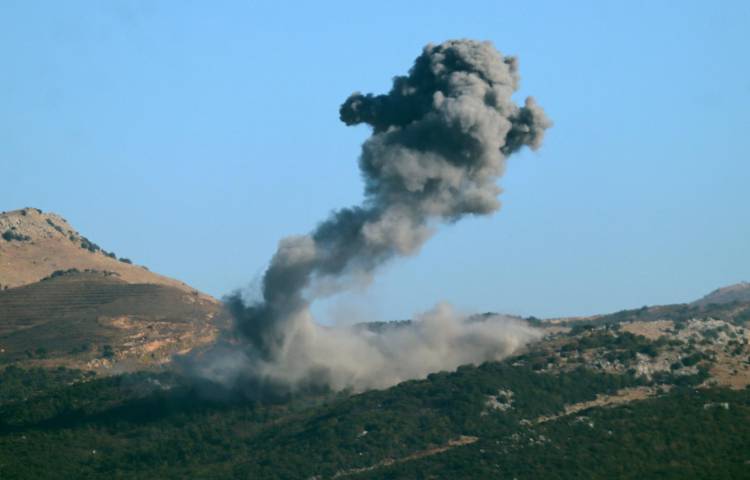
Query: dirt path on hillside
(456,442)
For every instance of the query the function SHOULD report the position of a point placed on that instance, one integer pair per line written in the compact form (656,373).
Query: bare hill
(34,244)
(739,292)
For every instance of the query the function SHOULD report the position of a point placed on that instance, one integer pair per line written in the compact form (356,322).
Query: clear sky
(191,136)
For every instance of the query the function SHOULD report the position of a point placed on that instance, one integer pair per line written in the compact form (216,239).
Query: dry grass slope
(52,244)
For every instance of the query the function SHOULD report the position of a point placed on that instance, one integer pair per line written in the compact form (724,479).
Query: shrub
(649,349)
(107,351)
(89,245)
(693,359)
(83,348)
(55,226)
(60,273)
(10,235)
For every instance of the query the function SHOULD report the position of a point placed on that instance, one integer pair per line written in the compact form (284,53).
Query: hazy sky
(192,136)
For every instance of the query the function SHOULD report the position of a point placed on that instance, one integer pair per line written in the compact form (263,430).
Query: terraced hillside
(64,300)
(95,320)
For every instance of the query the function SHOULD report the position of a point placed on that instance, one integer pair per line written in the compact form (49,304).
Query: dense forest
(63,424)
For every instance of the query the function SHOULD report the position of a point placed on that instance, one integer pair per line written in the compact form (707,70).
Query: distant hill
(739,292)
(65,301)
(34,244)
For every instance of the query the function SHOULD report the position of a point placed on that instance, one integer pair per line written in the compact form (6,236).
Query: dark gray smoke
(439,143)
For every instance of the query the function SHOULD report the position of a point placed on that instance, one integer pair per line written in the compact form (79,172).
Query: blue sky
(192,136)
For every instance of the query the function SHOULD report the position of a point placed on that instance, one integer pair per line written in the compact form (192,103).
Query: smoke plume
(439,142)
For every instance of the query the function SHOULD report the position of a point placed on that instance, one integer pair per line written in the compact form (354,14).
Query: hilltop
(35,244)
(739,292)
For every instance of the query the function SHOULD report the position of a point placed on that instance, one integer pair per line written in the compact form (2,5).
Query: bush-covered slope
(509,419)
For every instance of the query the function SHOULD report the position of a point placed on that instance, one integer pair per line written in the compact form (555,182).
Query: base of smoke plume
(316,359)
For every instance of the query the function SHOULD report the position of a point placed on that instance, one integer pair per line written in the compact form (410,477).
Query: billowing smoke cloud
(439,143)
(362,357)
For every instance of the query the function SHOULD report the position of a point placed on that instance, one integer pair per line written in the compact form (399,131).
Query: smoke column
(439,142)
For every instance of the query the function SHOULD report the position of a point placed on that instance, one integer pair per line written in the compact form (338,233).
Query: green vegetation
(107,351)
(60,273)
(161,427)
(75,271)
(89,245)
(511,416)
(692,359)
(11,235)
(82,348)
(686,434)
(92,247)
(55,226)
(19,385)
(621,341)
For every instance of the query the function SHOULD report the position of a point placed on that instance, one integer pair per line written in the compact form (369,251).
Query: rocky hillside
(65,301)
(35,244)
